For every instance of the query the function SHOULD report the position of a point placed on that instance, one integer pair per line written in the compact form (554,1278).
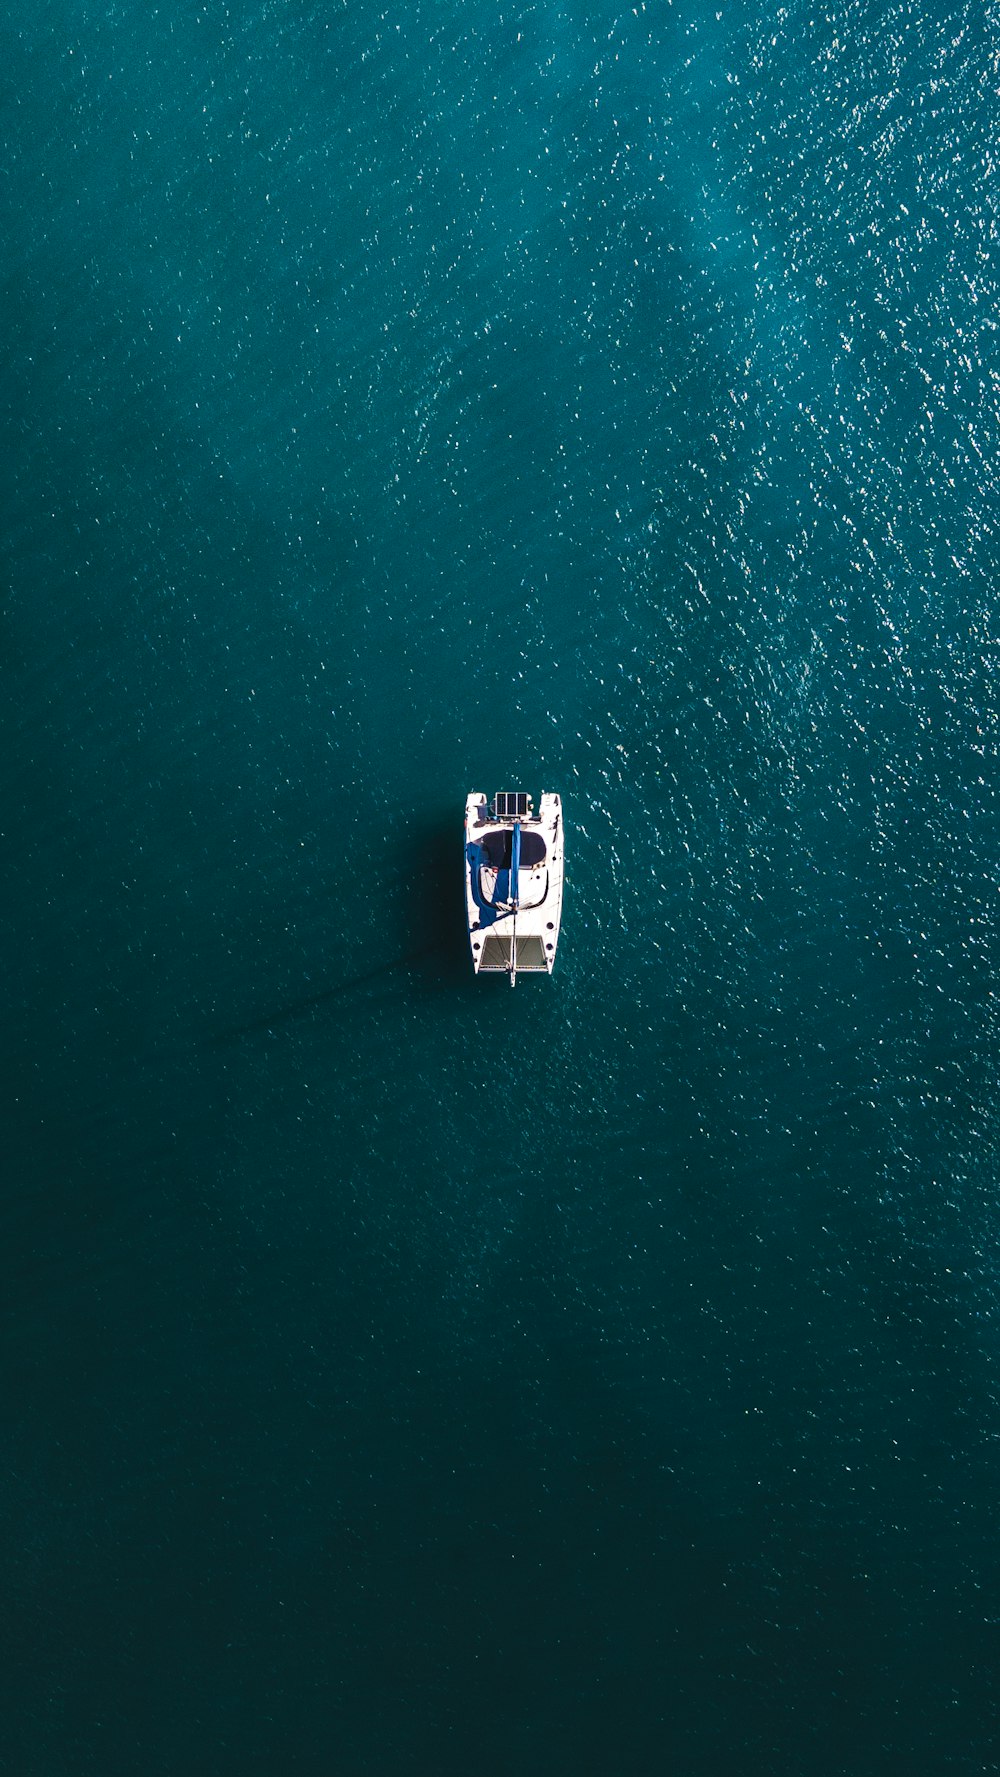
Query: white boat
(513,882)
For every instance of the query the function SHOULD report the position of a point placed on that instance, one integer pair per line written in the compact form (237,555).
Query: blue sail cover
(515,859)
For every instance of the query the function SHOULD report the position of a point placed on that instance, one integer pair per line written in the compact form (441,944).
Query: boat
(513,882)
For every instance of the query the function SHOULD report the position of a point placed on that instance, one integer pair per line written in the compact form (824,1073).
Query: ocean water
(401,1375)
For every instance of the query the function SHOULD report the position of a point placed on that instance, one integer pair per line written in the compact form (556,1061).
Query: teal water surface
(402,1375)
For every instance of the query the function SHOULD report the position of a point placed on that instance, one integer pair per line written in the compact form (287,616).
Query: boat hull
(519,935)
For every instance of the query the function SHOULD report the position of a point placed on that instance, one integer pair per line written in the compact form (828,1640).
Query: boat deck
(493,925)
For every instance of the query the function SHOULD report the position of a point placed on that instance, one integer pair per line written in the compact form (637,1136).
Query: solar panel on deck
(510,804)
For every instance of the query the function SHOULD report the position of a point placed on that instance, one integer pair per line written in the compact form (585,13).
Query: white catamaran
(513,882)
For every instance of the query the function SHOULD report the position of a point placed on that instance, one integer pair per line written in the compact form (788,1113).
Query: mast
(515,868)
(515,863)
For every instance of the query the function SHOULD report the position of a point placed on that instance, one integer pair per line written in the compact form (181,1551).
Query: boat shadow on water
(428,923)
(432,922)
